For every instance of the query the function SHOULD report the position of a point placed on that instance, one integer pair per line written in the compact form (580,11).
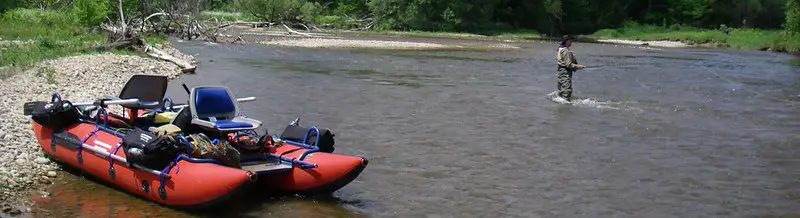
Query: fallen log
(295,32)
(156,53)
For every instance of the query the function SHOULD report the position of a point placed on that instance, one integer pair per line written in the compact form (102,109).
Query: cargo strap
(162,192)
(93,133)
(111,171)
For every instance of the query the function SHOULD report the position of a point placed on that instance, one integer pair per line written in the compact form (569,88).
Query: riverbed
(673,132)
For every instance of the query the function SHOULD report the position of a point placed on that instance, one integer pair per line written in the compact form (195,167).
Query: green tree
(793,16)
(280,10)
(90,12)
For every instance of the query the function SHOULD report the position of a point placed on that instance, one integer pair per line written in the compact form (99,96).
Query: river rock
(41,160)
(51,173)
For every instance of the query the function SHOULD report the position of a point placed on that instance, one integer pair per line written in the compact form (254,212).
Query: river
(672,133)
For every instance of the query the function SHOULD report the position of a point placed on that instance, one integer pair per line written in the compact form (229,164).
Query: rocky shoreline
(23,166)
(660,43)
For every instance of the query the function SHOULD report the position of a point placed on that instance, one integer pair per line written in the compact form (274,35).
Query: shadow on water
(68,197)
(793,62)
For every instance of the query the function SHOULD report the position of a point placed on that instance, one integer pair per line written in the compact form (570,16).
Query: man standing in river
(567,64)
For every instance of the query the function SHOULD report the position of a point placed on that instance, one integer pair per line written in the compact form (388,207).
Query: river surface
(672,133)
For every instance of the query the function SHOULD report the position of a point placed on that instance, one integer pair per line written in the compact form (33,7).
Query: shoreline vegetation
(26,37)
(675,36)
(739,38)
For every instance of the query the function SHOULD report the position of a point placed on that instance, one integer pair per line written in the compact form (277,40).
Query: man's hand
(580,67)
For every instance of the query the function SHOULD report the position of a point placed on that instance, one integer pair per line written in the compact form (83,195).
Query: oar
(186,88)
(107,102)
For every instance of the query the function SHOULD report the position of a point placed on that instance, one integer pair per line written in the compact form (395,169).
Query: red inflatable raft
(95,146)
(187,185)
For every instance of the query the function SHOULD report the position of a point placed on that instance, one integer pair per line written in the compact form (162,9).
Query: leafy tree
(280,10)
(793,16)
(90,12)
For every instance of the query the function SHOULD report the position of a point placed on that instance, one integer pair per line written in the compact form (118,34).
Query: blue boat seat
(215,108)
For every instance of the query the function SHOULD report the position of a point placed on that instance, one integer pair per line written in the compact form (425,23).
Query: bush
(32,23)
(90,12)
(36,16)
(793,16)
(280,10)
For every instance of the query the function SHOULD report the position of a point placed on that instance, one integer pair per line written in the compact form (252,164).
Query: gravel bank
(382,44)
(661,43)
(351,43)
(23,167)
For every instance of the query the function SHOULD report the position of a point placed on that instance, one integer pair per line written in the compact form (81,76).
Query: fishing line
(743,87)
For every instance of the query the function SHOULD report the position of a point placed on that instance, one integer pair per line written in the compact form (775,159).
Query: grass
(52,34)
(156,39)
(738,38)
(48,42)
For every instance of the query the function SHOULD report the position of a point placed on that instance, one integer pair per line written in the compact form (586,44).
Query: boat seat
(214,108)
(149,89)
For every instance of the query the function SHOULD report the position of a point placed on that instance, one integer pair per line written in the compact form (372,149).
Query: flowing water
(672,133)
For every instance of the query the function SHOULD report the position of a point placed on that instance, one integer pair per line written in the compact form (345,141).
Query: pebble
(41,160)
(20,162)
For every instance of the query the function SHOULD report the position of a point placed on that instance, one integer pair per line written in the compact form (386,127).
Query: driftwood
(127,34)
(295,32)
(156,53)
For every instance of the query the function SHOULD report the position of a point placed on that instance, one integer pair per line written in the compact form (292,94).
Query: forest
(27,34)
(551,17)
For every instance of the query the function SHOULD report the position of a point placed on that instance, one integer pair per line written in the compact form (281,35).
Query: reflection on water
(671,133)
(75,196)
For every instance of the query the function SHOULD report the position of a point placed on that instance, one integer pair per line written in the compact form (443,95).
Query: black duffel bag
(296,133)
(57,114)
(149,150)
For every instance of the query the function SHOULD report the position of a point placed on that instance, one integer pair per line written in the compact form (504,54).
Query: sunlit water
(673,133)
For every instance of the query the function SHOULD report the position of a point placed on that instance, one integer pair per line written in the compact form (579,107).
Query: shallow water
(673,133)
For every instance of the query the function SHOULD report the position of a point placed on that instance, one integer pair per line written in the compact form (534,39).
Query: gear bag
(200,146)
(55,115)
(149,150)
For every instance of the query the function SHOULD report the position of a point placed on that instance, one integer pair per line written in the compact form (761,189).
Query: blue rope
(96,128)
(113,152)
(185,142)
(54,97)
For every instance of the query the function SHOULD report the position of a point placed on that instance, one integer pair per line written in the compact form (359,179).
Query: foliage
(793,16)
(90,12)
(280,10)
(34,27)
(226,16)
(738,38)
